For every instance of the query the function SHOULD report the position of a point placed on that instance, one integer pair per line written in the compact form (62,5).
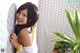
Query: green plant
(75,25)
(58,45)
(62,45)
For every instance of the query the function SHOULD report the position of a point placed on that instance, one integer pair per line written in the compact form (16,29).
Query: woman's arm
(14,40)
(25,38)
(26,42)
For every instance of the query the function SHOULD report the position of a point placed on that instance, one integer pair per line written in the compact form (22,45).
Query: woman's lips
(19,20)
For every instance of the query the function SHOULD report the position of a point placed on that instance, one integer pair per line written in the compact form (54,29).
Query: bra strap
(32,33)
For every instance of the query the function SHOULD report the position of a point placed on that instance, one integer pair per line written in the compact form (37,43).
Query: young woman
(23,39)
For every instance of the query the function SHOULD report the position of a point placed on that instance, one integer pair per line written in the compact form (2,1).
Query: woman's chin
(19,24)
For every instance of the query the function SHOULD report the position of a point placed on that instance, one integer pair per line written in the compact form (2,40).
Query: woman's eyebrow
(24,13)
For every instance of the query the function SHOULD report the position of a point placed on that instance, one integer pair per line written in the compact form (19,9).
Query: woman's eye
(25,15)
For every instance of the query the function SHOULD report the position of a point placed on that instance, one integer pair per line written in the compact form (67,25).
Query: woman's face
(21,17)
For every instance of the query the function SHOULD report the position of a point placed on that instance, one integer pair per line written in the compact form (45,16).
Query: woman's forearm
(16,46)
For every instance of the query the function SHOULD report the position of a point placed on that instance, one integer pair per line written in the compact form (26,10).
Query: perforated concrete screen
(52,17)
(6,27)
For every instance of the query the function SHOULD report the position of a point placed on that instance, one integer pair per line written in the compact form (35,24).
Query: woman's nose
(20,16)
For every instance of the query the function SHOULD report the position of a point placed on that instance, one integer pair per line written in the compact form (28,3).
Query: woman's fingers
(13,37)
(12,34)
(10,39)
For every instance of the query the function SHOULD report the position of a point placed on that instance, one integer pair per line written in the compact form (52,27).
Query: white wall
(19,2)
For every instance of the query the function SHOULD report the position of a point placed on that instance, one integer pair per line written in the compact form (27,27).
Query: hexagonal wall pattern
(52,17)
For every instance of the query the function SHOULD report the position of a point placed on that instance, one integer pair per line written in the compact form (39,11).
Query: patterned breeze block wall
(52,17)
(10,26)
(6,25)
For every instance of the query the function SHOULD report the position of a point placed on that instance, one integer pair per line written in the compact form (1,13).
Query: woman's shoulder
(24,31)
(25,38)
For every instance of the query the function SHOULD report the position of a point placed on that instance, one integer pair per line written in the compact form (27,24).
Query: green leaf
(64,37)
(76,20)
(71,23)
(76,49)
(58,45)
(77,25)
(60,40)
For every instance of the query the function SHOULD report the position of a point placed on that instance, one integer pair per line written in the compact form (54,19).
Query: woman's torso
(32,36)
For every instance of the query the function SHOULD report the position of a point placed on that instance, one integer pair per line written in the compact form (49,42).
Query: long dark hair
(31,18)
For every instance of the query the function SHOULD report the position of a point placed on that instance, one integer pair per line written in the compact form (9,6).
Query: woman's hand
(14,40)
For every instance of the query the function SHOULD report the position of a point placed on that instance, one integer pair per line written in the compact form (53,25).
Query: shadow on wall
(10,25)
